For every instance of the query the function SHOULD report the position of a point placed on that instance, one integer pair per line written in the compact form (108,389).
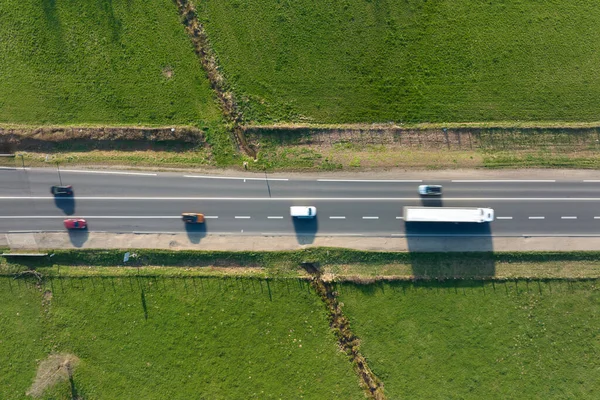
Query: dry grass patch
(145,158)
(377,156)
(364,273)
(56,368)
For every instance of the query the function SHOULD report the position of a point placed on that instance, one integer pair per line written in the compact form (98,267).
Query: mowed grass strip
(326,61)
(182,338)
(474,340)
(94,62)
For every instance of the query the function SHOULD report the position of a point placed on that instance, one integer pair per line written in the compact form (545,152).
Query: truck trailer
(448,214)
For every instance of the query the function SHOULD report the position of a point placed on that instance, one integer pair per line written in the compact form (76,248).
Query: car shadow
(78,237)
(450,250)
(428,201)
(306,229)
(66,204)
(195,232)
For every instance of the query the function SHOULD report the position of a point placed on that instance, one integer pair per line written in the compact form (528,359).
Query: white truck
(448,214)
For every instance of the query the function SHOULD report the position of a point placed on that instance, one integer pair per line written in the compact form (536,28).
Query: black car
(65,190)
(430,190)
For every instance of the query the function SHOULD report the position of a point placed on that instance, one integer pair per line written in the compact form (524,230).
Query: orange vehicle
(192,218)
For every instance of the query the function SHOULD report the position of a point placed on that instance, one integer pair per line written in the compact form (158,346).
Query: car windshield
(76,224)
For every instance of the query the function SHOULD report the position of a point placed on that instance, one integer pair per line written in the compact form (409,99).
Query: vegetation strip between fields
(208,60)
(349,343)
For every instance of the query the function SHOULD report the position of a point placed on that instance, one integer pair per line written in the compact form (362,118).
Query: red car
(75,223)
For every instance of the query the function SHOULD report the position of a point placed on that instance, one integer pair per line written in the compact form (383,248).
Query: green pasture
(176,338)
(121,62)
(347,61)
(472,340)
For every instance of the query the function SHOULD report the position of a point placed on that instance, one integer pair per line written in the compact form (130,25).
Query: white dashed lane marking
(242,217)
(274,217)
(568,217)
(537,217)
(337,217)
(504,217)
(370,217)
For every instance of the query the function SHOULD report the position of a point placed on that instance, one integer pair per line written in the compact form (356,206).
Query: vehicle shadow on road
(431,201)
(306,229)
(450,250)
(78,237)
(66,204)
(195,232)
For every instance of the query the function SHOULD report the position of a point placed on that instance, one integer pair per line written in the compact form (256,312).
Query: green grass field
(21,337)
(164,338)
(121,62)
(504,340)
(437,61)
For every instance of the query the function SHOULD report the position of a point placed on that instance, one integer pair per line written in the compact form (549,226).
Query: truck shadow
(306,229)
(195,232)
(450,250)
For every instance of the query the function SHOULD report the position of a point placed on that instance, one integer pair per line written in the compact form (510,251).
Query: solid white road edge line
(235,178)
(108,172)
(503,180)
(481,199)
(372,180)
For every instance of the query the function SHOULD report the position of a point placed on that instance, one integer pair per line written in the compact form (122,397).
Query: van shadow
(195,232)
(306,229)
(66,204)
(78,237)
(450,250)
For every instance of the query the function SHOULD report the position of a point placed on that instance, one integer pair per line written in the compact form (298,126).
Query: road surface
(114,201)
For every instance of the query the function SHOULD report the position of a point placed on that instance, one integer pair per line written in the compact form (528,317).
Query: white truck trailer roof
(448,214)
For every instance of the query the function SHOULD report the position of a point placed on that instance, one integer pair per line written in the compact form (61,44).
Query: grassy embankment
(335,264)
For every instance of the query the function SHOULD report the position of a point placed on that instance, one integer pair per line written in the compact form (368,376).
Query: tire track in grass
(347,341)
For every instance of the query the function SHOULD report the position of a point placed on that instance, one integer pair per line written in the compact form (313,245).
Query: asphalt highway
(153,202)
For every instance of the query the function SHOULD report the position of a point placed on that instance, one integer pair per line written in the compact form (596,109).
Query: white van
(303,212)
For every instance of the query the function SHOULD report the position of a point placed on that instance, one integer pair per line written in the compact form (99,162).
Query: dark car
(75,223)
(65,190)
(430,190)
